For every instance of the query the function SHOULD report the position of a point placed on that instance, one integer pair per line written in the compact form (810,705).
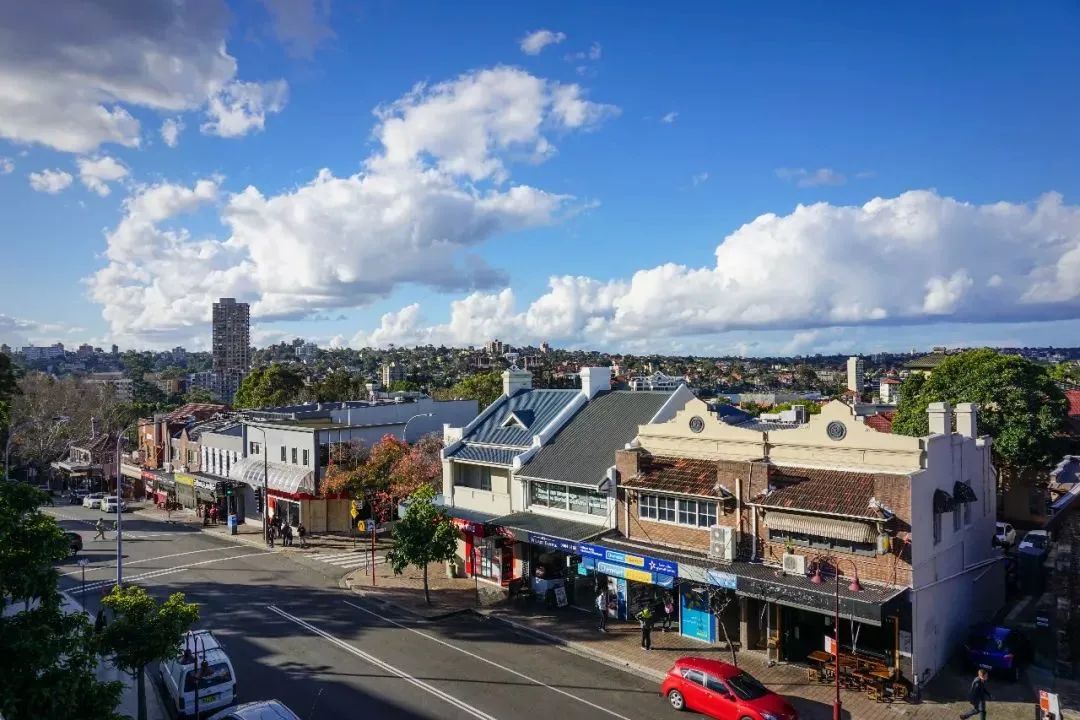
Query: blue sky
(776,177)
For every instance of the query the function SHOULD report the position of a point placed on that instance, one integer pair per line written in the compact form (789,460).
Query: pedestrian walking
(286,535)
(213,514)
(100,527)
(646,617)
(270,532)
(669,611)
(977,696)
(601,607)
(301,532)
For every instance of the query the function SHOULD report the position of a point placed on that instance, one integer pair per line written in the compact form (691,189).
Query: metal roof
(583,449)
(279,476)
(531,522)
(541,405)
(486,454)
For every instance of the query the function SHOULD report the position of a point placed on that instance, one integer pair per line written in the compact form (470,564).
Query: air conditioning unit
(794,564)
(722,543)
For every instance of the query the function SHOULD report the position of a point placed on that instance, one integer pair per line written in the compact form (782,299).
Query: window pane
(579,500)
(688,512)
(538,494)
(558,496)
(707,514)
(485,478)
(666,509)
(597,504)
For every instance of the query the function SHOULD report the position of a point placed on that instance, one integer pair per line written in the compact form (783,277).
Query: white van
(217,684)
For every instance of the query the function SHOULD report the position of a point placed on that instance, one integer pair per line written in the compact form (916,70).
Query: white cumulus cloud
(7,166)
(534,42)
(72,74)
(241,107)
(915,258)
(97,173)
(50,181)
(424,201)
(170,131)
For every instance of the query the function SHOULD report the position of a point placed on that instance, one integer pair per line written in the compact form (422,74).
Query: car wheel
(677,700)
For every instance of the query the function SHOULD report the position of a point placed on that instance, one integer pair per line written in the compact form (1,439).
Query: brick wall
(883,569)
(660,533)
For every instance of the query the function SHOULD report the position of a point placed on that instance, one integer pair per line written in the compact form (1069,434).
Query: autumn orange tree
(386,473)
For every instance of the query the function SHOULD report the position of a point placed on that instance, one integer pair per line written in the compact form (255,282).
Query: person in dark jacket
(977,696)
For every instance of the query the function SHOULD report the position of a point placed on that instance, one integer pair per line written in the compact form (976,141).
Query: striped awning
(290,479)
(850,530)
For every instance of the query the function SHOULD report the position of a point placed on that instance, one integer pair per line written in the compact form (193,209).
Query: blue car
(999,649)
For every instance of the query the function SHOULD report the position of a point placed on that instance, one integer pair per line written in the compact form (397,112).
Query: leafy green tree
(425,535)
(199,395)
(1066,374)
(143,632)
(1020,406)
(48,658)
(403,386)
(270,386)
(813,407)
(337,386)
(8,386)
(485,388)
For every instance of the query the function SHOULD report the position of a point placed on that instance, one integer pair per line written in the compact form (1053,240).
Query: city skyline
(718,182)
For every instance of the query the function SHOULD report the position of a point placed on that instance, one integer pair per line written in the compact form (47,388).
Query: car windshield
(1036,541)
(215,674)
(746,687)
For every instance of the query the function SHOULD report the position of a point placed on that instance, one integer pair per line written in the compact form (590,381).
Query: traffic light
(228,491)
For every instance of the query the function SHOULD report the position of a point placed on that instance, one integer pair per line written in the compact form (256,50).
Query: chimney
(595,380)
(940,418)
(967,419)
(515,379)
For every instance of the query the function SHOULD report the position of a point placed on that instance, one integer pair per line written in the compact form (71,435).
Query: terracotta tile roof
(200,411)
(816,490)
(685,476)
(1073,396)
(882,421)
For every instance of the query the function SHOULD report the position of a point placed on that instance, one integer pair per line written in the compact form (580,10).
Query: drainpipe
(753,550)
(626,511)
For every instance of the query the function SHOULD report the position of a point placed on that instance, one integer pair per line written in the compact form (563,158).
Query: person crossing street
(977,696)
(100,527)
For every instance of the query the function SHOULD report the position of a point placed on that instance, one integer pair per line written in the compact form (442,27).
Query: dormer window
(518,418)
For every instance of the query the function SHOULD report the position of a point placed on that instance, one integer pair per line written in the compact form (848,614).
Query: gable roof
(584,448)
(882,421)
(1073,396)
(828,492)
(199,411)
(685,476)
(541,405)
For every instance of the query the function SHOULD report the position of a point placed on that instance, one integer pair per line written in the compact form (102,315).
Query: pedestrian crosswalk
(347,560)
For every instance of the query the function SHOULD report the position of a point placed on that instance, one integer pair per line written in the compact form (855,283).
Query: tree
(484,388)
(269,387)
(404,386)
(199,395)
(49,658)
(143,632)
(8,387)
(1066,374)
(339,385)
(425,535)
(1020,406)
(813,407)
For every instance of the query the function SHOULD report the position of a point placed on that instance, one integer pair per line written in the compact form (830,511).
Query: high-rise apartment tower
(232,335)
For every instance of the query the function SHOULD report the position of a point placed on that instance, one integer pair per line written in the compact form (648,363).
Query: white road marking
(387,667)
(98,584)
(490,662)
(92,568)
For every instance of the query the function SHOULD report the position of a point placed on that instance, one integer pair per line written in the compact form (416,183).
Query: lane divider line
(385,666)
(98,584)
(473,655)
(145,560)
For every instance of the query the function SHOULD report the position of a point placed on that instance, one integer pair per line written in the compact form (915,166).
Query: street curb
(576,648)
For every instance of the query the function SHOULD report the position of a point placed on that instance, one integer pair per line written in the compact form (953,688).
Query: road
(293,634)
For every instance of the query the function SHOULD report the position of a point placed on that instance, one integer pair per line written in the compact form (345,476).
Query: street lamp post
(418,415)
(853,587)
(266,475)
(119,506)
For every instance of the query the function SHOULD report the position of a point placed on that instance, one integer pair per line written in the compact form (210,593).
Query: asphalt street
(294,635)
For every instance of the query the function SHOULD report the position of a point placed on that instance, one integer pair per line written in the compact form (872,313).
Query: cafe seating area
(859,673)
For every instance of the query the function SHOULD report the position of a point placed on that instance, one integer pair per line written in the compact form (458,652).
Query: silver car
(261,710)
(93,500)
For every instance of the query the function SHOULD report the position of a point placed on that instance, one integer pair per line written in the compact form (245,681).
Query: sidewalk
(576,631)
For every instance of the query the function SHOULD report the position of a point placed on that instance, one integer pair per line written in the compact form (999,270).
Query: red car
(723,691)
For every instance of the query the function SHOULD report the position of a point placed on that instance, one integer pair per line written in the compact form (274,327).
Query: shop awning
(963,493)
(73,467)
(471,521)
(523,524)
(284,478)
(850,530)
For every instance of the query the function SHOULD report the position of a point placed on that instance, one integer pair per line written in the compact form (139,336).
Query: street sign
(354,509)
(365,525)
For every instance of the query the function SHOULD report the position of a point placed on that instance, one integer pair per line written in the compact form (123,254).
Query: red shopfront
(488,554)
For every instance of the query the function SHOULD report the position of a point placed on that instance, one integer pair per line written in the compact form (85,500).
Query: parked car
(999,649)
(93,500)
(721,690)
(75,541)
(76,497)
(1005,535)
(108,505)
(217,686)
(261,710)
(1035,542)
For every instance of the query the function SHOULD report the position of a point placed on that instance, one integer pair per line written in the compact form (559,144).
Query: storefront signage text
(184,478)
(628,573)
(655,565)
(147,475)
(205,484)
(553,542)
(721,579)
(473,528)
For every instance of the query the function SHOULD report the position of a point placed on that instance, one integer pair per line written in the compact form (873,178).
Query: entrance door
(695,617)
(803,632)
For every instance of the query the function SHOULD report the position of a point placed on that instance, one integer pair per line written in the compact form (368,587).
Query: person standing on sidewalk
(301,532)
(977,696)
(669,611)
(646,617)
(270,532)
(601,607)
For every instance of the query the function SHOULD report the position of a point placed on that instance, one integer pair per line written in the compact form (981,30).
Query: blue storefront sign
(636,562)
(554,543)
(629,573)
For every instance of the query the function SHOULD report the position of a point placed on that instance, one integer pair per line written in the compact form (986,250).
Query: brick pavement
(576,631)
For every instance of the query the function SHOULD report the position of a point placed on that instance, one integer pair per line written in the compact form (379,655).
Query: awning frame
(849,530)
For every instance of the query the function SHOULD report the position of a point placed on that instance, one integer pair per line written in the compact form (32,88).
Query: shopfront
(635,580)
(185,490)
